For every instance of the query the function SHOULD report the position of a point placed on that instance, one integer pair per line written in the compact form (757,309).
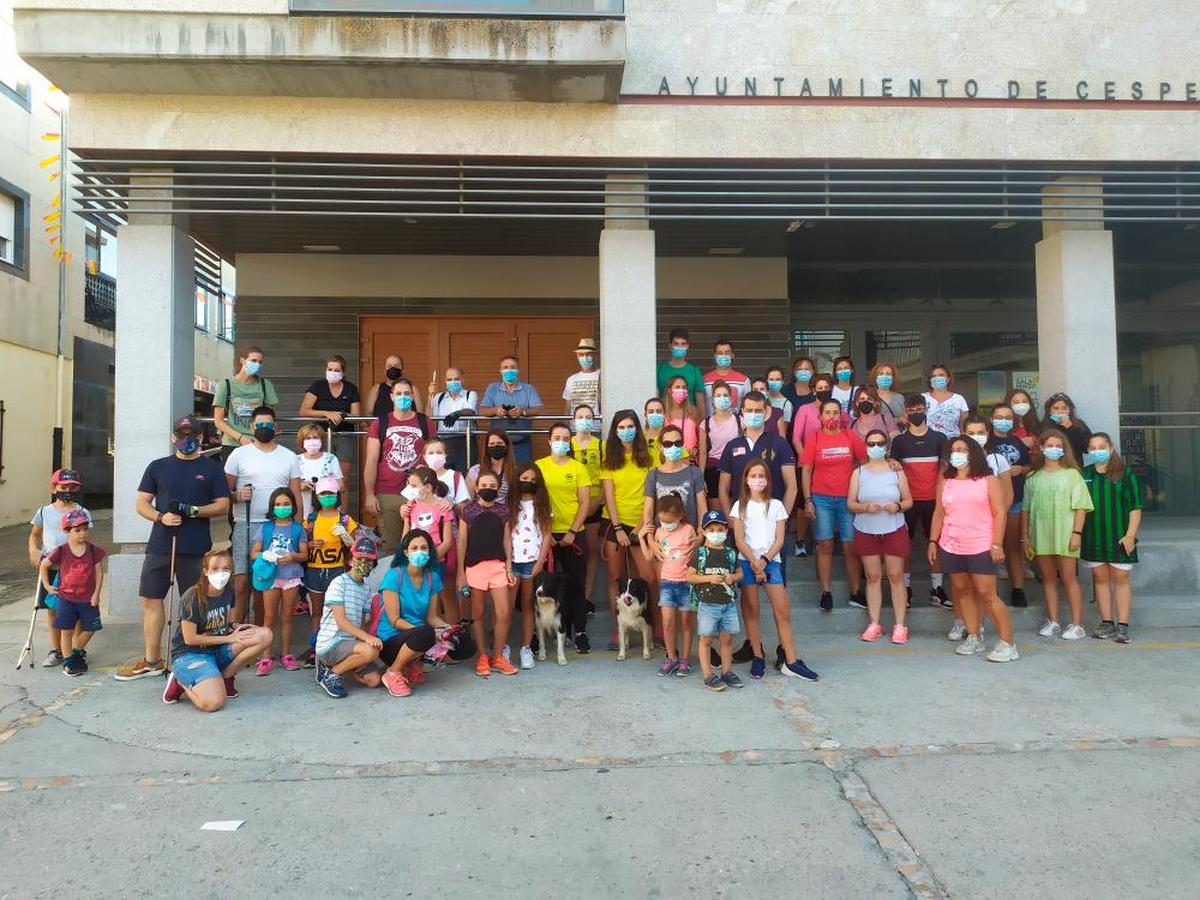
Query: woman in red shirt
(829,458)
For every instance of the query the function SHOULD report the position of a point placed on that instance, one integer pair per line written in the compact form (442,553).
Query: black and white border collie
(548,590)
(633,614)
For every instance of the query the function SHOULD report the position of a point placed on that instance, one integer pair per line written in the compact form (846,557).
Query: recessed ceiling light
(1002,226)
(409,220)
(726,251)
(321,248)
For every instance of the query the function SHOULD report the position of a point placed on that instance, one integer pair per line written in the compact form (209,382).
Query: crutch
(171,597)
(27,650)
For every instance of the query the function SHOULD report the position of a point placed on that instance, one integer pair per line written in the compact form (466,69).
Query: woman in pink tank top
(967,539)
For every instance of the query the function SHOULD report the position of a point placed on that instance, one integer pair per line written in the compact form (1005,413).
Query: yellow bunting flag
(49,161)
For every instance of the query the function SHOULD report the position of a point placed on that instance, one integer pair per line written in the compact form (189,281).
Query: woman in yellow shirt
(623,473)
(589,450)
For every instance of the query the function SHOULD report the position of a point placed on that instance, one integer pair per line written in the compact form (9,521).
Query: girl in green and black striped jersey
(1110,534)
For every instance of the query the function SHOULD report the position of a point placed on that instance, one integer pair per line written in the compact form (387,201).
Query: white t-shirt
(526,536)
(443,403)
(758,525)
(311,470)
(456,486)
(843,395)
(266,471)
(583,388)
(944,416)
(51,521)
(998,463)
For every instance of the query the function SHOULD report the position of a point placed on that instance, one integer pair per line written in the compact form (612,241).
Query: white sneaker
(1050,629)
(969,646)
(957,631)
(800,552)
(1003,652)
(507,653)
(1073,633)
(526,658)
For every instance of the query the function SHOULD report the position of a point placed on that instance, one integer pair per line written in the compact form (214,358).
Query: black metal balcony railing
(513,9)
(100,301)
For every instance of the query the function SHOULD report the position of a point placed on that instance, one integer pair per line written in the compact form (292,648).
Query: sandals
(264,666)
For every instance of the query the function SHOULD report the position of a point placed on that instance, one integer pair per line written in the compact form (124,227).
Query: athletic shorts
(595,516)
(483,576)
(192,667)
(713,619)
(336,652)
(774,573)
(966,563)
(895,543)
(68,612)
(608,531)
(920,513)
(317,580)
(156,571)
(1121,567)
(832,516)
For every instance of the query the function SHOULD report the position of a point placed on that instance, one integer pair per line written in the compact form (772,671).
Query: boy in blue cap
(712,573)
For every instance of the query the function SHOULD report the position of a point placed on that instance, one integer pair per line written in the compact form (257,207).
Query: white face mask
(333,376)
(435,461)
(1020,408)
(980,439)
(410,493)
(219,579)
(313,445)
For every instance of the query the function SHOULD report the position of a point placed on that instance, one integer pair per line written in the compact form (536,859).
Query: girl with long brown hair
(528,536)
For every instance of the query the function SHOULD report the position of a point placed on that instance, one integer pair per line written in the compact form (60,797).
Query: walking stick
(27,650)
(171,596)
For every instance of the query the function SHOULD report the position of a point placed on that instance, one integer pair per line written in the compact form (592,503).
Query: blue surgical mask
(672,454)
(454,386)
(510,376)
(418,558)
(1004,426)
(722,402)
(844,374)
(723,360)
(560,448)
(774,385)
(1053,452)
(252,367)
(754,419)
(959,459)
(403,403)
(939,382)
(1098,457)
(883,381)
(679,352)
(804,376)
(626,435)
(715,537)
(1057,417)
(654,420)
(583,426)
(669,526)
(585,362)
(876,451)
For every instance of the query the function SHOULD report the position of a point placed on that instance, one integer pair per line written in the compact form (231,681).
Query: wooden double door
(545,347)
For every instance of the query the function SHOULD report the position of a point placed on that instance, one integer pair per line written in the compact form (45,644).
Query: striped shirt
(1112,503)
(355,599)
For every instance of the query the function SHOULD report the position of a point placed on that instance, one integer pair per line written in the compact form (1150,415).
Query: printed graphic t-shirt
(401,448)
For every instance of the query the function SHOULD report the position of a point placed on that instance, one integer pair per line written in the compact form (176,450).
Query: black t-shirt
(1017,454)
(329,403)
(485,531)
(196,482)
(383,400)
(215,621)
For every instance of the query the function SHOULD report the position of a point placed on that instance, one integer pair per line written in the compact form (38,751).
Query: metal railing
(499,9)
(1166,457)
(100,300)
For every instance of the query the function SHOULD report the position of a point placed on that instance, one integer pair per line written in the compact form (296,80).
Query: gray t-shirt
(688,482)
(51,521)
(266,471)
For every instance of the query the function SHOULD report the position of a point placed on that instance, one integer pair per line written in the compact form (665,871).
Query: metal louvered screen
(104,187)
(208,269)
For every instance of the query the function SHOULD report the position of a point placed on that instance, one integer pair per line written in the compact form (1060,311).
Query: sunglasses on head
(672,443)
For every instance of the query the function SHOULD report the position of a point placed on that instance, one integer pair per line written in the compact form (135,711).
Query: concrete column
(1077,323)
(628,304)
(154,363)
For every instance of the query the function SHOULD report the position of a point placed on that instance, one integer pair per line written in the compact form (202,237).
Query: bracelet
(997,547)
(1080,533)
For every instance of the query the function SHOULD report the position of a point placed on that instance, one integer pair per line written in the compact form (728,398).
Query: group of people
(695,495)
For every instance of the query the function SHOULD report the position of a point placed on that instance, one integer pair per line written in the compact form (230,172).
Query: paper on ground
(226,825)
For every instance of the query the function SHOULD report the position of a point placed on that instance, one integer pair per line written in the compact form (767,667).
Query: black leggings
(572,563)
(419,639)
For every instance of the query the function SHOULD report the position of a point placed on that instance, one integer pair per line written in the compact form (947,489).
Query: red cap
(66,476)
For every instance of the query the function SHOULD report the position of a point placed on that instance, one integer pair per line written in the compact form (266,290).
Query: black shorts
(40,597)
(608,532)
(921,512)
(419,639)
(156,572)
(68,613)
(712,482)
(317,580)
(968,563)
(595,517)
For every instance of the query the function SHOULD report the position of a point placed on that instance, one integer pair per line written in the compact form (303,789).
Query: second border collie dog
(548,613)
(633,614)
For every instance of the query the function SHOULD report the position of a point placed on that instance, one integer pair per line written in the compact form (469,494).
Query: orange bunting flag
(50,229)
(55,203)
(53,176)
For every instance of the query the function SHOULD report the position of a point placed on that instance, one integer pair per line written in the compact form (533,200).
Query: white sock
(935,579)
(908,579)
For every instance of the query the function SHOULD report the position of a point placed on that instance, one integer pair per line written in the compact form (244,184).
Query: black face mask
(264,433)
(66,496)
(822,396)
(916,418)
(392,373)
(866,407)
(488,494)
(527,487)
(497,452)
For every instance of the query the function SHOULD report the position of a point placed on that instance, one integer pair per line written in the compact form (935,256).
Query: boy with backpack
(330,534)
(712,572)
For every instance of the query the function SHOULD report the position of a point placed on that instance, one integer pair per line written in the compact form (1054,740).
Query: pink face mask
(757,483)
(333,376)
(313,445)
(679,394)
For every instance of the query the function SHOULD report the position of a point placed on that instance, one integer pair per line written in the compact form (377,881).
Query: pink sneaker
(395,684)
(289,662)
(264,666)
(873,633)
(900,634)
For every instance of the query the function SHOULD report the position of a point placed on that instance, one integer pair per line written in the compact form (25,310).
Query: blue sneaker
(731,680)
(798,669)
(758,668)
(331,683)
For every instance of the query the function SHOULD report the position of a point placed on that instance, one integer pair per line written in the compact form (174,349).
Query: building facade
(1009,188)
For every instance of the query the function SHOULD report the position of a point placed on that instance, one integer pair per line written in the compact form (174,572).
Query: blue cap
(262,574)
(714,515)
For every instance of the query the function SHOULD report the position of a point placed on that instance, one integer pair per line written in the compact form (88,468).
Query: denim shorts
(192,668)
(523,570)
(717,618)
(832,514)
(774,573)
(676,595)
(1015,509)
